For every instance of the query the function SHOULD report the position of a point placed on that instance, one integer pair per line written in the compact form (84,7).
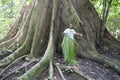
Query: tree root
(23,66)
(87,50)
(38,38)
(16,54)
(8,42)
(81,74)
(16,25)
(14,46)
(23,49)
(37,69)
(75,70)
(14,62)
(60,72)
(20,35)
(43,64)
(108,62)
(14,28)
(51,74)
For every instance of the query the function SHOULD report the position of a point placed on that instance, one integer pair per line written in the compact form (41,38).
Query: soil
(93,69)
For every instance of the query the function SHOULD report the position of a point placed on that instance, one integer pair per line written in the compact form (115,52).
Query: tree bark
(42,34)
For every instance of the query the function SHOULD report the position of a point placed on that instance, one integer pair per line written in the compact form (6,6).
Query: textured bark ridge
(38,31)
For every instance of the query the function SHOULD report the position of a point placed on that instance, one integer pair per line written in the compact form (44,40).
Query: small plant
(68,70)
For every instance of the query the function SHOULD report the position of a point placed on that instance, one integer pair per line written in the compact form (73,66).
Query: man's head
(71,26)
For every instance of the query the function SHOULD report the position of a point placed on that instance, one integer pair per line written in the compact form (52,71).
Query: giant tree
(38,31)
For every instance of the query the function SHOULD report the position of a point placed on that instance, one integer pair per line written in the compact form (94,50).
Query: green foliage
(68,70)
(113,21)
(8,12)
(29,1)
(69,50)
(4,1)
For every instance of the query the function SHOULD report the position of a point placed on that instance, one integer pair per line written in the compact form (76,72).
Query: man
(69,45)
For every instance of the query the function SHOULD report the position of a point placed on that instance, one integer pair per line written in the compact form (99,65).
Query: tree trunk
(40,33)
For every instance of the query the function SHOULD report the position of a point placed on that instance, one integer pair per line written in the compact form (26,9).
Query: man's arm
(79,34)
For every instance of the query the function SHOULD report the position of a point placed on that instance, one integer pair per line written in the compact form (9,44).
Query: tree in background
(111,9)
(8,11)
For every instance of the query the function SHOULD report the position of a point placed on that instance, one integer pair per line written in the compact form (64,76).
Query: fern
(69,50)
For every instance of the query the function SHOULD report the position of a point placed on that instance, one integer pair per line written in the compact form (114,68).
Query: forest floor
(94,70)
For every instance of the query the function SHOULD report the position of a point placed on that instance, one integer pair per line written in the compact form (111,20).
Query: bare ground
(93,69)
